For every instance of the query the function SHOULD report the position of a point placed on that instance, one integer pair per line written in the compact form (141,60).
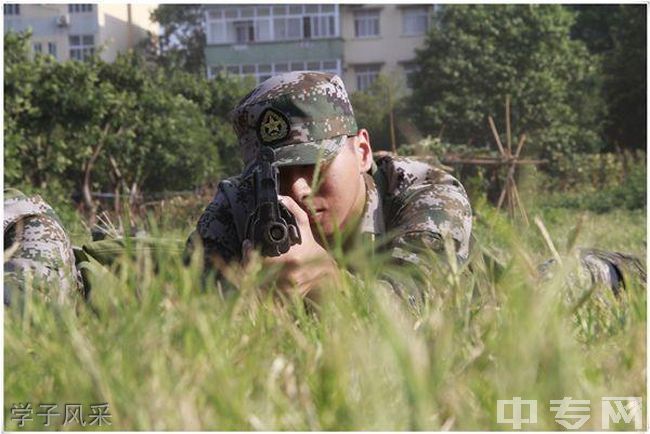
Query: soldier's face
(338,196)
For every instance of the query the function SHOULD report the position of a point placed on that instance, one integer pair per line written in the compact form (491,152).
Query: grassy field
(165,355)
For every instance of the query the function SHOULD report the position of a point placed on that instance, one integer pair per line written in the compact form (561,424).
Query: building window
(366,74)
(51,48)
(323,26)
(74,8)
(271,23)
(366,23)
(82,47)
(12,9)
(415,20)
(265,71)
(293,26)
(37,47)
(244,32)
(306,27)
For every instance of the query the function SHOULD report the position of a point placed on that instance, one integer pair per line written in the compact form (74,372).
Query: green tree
(126,126)
(616,34)
(381,110)
(183,40)
(20,82)
(216,97)
(593,25)
(625,87)
(475,55)
(168,139)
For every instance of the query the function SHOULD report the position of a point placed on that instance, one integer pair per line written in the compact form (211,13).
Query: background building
(381,39)
(264,40)
(357,42)
(76,31)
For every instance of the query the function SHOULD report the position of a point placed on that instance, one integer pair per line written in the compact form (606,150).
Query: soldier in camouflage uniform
(412,206)
(37,249)
(307,119)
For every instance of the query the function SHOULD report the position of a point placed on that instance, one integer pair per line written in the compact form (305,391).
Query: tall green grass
(167,355)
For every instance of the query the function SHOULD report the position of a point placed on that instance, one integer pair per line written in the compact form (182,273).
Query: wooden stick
(511,202)
(510,180)
(511,172)
(547,239)
(496,135)
(501,197)
(521,206)
(442,130)
(490,162)
(520,145)
(508,131)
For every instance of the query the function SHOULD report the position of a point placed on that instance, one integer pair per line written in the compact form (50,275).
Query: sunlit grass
(167,355)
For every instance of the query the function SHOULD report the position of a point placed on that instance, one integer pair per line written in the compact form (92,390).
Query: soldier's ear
(364,150)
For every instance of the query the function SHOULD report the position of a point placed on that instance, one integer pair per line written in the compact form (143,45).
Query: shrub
(601,183)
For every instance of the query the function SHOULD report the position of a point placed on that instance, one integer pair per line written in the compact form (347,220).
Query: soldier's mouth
(316,215)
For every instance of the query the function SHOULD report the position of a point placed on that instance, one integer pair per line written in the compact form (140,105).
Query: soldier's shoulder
(39,244)
(403,172)
(227,206)
(19,206)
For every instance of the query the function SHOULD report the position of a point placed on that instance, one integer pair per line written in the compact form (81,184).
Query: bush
(126,125)
(601,183)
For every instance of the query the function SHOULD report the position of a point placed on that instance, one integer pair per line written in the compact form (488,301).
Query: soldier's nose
(300,189)
(295,181)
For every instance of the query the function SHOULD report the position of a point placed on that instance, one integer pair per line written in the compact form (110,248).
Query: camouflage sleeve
(613,270)
(38,252)
(216,232)
(429,204)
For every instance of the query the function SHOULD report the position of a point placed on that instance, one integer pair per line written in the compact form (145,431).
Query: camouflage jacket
(613,270)
(410,205)
(37,249)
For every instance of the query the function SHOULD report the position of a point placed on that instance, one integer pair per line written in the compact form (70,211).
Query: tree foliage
(183,40)
(625,79)
(126,125)
(475,55)
(373,108)
(593,24)
(616,34)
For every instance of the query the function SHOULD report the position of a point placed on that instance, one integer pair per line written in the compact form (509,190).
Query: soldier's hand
(305,264)
(246,252)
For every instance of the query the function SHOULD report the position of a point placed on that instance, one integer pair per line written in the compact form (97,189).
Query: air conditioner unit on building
(63,20)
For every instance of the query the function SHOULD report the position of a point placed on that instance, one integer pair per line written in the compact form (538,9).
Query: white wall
(116,33)
(390,48)
(109,23)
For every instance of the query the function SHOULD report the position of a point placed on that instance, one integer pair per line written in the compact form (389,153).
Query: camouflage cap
(303,115)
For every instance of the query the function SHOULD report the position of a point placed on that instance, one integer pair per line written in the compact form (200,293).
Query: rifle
(270,226)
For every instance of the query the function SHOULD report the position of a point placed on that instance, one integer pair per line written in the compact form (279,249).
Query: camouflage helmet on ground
(303,115)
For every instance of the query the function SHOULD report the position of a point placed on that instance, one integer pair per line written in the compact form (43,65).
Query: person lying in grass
(330,183)
(404,207)
(412,212)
